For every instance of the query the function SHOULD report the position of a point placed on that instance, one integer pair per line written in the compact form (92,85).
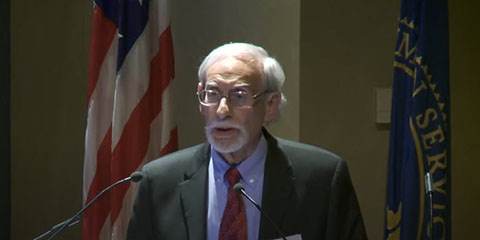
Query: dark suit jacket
(306,190)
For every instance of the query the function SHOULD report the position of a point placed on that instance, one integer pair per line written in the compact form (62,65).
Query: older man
(305,190)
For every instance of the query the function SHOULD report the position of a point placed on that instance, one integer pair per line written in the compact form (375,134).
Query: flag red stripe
(103,32)
(133,144)
(94,218)
(172,144)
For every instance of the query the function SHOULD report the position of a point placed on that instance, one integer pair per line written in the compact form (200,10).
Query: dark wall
(49,49)
(5,119)
(346,52)
(465,116)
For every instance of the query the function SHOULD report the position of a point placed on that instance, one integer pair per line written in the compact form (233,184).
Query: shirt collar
(251,168)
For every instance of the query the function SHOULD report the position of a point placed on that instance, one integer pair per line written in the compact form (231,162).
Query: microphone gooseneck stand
(55,230)
(239,188)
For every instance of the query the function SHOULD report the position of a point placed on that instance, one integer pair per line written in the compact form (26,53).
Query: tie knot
(233,176)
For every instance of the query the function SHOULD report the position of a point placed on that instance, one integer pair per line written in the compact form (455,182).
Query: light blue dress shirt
(252,170)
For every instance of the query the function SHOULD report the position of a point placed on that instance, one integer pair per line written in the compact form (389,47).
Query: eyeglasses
(235,97)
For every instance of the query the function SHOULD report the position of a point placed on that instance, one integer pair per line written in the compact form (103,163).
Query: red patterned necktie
(234,220)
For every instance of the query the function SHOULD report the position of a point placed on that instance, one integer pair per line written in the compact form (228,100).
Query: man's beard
(227,145)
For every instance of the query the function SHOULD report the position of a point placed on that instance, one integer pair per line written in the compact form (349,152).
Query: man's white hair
(273,75)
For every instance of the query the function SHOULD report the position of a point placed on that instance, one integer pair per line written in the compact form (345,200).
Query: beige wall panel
(346,51)
(200,26)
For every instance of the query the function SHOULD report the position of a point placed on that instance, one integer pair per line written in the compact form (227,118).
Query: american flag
(130,118)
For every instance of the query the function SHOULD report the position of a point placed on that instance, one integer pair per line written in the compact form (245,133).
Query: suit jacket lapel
(279,195)
(278,201)
(193,195)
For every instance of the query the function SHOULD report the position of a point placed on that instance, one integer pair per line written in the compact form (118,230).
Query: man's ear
(199,88)
(272,106)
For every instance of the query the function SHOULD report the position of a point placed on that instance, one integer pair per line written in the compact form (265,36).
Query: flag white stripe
(130,86)
(119,228)
(134,76)
(160,18)
(105,231)
(167,115)
(99,114)
(157,127)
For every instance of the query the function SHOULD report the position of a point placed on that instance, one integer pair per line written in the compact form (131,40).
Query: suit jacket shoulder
(170,202)
(316,199)
(174,166)
(303,154)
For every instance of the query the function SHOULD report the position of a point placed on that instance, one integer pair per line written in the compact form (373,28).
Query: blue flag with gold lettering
(420,131)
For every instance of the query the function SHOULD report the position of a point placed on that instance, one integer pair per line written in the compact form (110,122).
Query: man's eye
(211,94)
(239,94)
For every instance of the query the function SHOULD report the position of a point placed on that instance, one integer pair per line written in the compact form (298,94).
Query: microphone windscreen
(136,176)
(238,187)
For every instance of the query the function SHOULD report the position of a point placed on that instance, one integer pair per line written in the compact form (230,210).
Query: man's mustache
(217,124)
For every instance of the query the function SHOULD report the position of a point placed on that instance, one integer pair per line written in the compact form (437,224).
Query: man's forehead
(233,69)
(214,83)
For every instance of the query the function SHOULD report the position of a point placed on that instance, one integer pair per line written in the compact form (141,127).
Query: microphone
(240,189)
(428,183)
(429,192)
(134,177)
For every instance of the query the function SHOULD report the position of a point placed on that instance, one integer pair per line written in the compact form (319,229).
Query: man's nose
(223,110)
